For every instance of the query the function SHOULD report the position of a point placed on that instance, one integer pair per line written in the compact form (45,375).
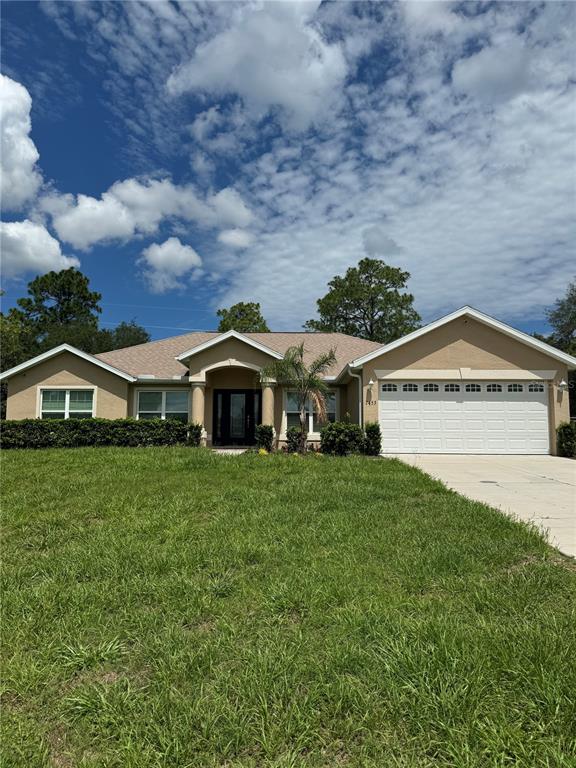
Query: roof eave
(59,350)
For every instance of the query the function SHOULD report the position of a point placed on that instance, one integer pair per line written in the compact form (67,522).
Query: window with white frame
(313,424)
(163,404)
(515,388)
(431,388)
(536,387)
(66,403)
(473,388)
(409,387)
(388,387)
(494,388)
(451,387)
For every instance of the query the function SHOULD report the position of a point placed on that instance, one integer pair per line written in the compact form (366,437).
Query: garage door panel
(489,421)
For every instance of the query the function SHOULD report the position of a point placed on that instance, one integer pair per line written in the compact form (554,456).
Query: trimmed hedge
(340,439)
(373,439)
(566,439)
(73,433)
(264,436)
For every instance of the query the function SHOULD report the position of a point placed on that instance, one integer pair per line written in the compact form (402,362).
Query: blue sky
(189,155)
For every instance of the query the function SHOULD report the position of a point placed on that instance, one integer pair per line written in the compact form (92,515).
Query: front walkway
(539,489)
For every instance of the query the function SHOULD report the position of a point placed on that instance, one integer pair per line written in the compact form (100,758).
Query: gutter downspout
(360,409)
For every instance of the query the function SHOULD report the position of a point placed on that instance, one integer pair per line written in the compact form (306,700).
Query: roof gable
(466,311)
(224,337)
(57,351)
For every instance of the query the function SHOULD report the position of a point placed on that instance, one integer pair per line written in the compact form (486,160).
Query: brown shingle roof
(157,358)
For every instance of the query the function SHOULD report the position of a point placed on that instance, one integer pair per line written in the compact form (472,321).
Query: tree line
(369,301)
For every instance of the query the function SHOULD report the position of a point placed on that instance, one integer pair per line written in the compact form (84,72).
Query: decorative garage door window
(163,404)
(538,387)
(473,388)
(409,387)
(494,388)
(387,387)
(515,388)
(67,404)
(452,388)
(431,388)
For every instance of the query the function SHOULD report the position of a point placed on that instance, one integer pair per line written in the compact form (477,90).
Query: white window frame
(431,386)
(163,391)
(473,388)
(389,387)
(311,434)
(515,389)
(67,388)
(536,386)
(410,386)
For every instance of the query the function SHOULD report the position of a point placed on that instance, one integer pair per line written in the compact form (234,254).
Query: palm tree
(305,381)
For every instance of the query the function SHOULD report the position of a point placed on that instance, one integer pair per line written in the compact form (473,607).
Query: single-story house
(466,383)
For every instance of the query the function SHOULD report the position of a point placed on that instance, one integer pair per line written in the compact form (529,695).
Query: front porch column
(268,404)
(198,404)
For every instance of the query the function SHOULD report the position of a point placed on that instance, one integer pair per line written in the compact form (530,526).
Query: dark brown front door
(236,413)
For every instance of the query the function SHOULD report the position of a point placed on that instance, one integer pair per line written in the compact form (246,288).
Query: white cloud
(28,247)
(378,244)
(237,238)
(19,177)
(430,15)
(496,73)
(480,200)
(137,207)
(230,209)
(271,56)
(168,266)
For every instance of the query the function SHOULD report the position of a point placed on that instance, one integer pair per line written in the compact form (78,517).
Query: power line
(165,327)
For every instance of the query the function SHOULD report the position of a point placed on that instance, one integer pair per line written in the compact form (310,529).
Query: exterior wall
(66,370)
(466,343)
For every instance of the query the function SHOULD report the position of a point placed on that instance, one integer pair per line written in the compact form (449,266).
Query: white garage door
(464,417)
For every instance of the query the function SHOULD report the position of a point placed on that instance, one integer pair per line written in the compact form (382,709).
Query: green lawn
(172,607)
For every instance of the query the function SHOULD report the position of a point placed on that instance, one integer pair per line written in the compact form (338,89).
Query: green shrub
(265,436)
(373,439)
(293,439)
(566,439)
(341,439)
(194,434)
(73,433)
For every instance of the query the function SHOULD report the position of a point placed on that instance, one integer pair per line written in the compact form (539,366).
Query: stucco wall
(466,343)
(229,350)
(70,371)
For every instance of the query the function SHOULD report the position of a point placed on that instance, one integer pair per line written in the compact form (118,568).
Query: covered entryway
(485,417)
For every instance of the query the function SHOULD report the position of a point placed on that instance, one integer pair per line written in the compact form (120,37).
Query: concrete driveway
(540,489)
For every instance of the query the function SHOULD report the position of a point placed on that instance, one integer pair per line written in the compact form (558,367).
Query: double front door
(236,413)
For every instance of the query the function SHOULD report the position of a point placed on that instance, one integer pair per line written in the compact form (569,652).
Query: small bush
(373,439)
(265,437)
(293,439)
(194,434)
(341,439)
(566,439)
(73,433)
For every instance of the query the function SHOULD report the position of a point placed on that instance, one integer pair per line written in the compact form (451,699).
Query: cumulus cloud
(496,73)
(169,265)
(271,56)
(378,244)
(28,247)
(237,238)
(137,207)
(19,176)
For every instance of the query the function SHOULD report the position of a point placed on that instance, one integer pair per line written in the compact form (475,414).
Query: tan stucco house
(465,383)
